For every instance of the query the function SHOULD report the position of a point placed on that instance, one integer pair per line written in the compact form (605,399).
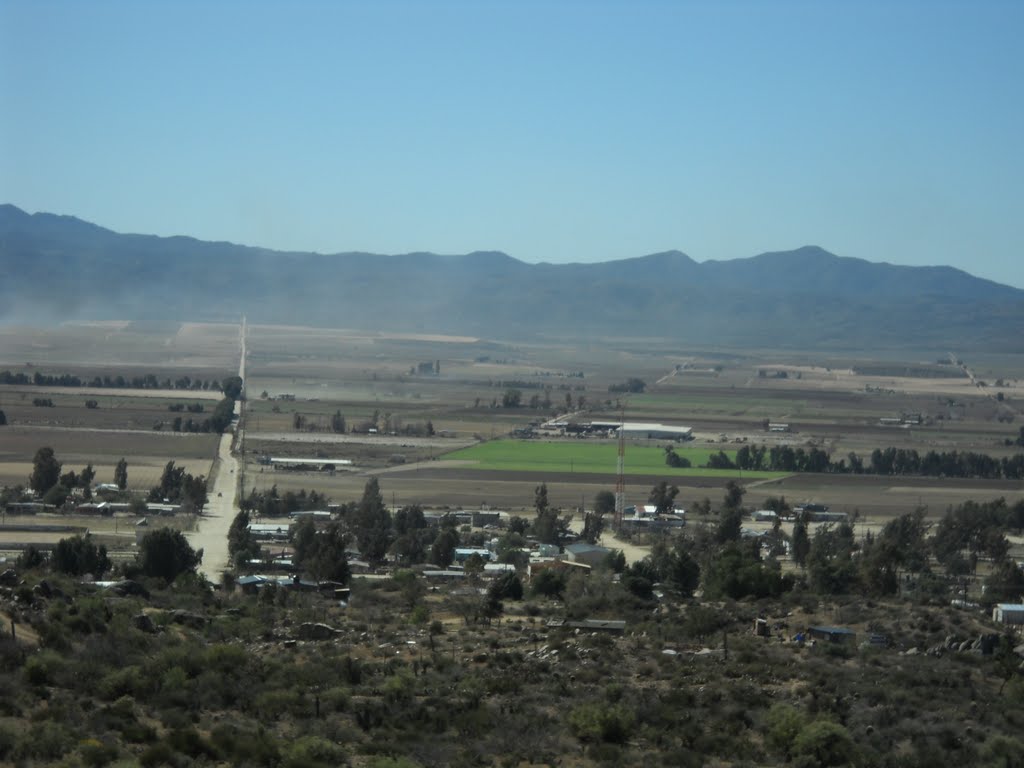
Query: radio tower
(620,477)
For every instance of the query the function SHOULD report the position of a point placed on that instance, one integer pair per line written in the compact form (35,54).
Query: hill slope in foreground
(58,267)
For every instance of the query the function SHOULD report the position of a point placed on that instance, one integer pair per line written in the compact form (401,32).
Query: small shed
(588,554)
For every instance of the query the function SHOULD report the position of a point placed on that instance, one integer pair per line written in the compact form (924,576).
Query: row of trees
(147,381)
(882,461)
(513,398)
(163,554)
(178,486)
(386,422)
(217,422)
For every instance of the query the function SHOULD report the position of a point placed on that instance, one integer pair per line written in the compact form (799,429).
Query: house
(462,554)
(480,519)
(832,634)
(268,531)
(536,566)
(497,569)
(1008,613)
(318,515)
(588,554)
(645,517)
(615,626)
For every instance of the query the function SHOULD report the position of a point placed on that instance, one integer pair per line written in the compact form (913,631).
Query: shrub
(8,739)
(823,743)
(44,667)
(782,725)
(95,753)
(244,747)
(312,752)
(595,721)
(46,740)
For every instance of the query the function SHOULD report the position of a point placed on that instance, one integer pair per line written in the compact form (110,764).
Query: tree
(615,561)
(232,387)
(442,551)
(242,547)
(830,564)
(1005,584)
(78,555)
(683,572)
(166,554)
(801,545)
(593,525)
(663,497)
(548,583)
(410,586)
(737,572)
(338,422)
(674,460)
(540,498)
(372,523)
(506,587)
(517,524)
(604,502)
(730,525)
(45,471)
(733,495)
(546,526)
(3,419)
(901,543)
(121,474)
(512,398)
(88,475)
(328,561)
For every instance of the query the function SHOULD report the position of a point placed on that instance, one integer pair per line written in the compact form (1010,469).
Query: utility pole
(620,478)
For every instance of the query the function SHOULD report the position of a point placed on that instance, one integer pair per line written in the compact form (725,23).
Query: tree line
(146,381)
(882,461)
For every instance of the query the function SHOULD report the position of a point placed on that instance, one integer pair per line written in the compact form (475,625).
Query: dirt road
(212,532)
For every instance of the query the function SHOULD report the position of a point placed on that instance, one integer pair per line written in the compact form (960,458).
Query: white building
(654,431)
(1008,613)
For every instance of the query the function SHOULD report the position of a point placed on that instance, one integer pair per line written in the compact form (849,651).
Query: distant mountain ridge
(59,267)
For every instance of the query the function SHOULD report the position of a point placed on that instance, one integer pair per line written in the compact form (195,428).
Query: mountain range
(55,268)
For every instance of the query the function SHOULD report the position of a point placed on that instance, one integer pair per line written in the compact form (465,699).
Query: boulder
(129,588)
(144,623)
(9,578)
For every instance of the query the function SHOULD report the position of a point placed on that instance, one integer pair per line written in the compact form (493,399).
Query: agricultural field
(100,425)
(589,457)
(390,389)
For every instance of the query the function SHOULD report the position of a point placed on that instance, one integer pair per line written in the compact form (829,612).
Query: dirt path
(23,632)
(632,551)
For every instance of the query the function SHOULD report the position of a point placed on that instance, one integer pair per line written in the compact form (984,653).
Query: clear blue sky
(554,131)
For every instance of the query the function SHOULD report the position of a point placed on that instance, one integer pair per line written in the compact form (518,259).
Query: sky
(558,131)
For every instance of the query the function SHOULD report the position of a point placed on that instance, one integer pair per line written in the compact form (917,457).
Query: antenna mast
(620,477)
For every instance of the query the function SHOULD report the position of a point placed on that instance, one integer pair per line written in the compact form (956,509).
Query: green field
(590,458)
